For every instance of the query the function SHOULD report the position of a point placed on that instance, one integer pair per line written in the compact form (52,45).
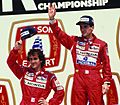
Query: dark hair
(39,53)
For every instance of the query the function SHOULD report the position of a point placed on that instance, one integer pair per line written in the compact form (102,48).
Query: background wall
(107,28)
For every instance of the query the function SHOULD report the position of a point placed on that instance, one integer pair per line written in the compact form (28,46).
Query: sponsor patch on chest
(80,45)
(35,84)
(37,78)
(95,47)
(29,76)
(87,55)
(90,61)
(41,79)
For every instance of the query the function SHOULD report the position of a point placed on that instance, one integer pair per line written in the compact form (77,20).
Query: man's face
(35,61)
(86,29)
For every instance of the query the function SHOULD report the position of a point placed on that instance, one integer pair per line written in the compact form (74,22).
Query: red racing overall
(89,57)
(35,85)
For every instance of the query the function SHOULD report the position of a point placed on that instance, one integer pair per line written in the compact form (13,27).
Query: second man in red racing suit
(35,85)
(89,56)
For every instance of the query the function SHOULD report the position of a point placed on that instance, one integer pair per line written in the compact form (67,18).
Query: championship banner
(9,7)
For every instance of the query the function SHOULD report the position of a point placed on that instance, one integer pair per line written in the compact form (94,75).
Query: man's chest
(87,53)
(36,80)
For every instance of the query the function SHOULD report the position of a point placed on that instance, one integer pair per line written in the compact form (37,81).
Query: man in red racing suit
(89,57)
(36,83)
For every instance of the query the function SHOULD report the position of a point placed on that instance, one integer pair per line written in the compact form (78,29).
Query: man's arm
(63,38)
(107,74)
(11,60)
(59,92)
(51,12)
